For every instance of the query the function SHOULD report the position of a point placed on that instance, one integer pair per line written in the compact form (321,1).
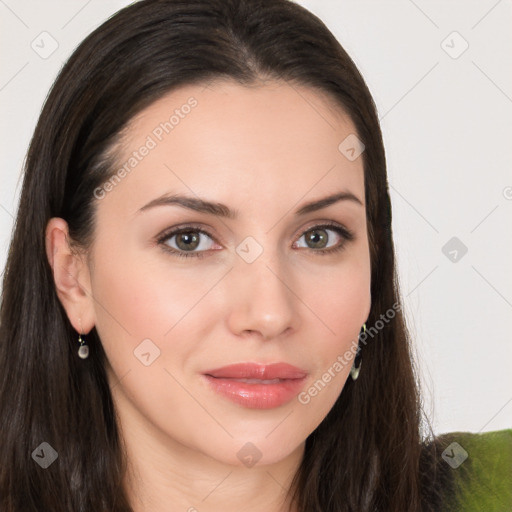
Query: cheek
(144,316)
(339,299)
(139,298)
(131,304)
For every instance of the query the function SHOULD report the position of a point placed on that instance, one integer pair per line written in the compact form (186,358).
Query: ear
(71,275)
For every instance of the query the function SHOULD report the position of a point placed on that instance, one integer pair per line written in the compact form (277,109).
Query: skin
(265,151)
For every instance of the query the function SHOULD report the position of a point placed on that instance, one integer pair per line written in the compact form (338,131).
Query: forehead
(276,140)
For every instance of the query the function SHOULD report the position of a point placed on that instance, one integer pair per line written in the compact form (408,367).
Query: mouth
(257,371)
(257,386)
(257,381)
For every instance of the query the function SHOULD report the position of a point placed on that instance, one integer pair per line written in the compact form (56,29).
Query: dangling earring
(83,351)
(356,366)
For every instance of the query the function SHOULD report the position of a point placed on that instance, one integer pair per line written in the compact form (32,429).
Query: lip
(258,371)
(287,383)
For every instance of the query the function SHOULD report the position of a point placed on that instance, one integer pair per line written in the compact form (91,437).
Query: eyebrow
(221,210)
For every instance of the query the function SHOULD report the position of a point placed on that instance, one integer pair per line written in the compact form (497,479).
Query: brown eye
(187,241)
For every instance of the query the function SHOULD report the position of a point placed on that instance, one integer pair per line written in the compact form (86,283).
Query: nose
(263,302)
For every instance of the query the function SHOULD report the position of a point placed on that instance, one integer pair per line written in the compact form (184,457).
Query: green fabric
(483,480)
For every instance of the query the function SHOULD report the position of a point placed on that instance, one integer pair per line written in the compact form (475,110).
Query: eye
(191,241)
(186,240)
(317,238)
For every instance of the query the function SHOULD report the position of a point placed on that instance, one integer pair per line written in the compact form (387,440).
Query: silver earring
(83,351)
(356,366)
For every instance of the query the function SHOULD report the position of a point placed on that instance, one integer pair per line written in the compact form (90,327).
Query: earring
(83,351)
(356,366)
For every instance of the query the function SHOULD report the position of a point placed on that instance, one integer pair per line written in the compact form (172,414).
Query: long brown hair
(375,449)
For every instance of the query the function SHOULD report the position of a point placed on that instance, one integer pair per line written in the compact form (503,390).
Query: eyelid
(322,224)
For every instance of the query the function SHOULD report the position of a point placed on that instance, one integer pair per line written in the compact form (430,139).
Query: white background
(447,125)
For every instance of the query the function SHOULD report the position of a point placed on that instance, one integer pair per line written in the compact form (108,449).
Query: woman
(200,308)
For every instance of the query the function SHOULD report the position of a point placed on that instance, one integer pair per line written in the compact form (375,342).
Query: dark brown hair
(374,450)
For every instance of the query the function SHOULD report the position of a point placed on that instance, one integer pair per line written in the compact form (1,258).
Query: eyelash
(346,234)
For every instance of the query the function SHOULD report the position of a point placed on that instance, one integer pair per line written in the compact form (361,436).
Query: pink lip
(257,395)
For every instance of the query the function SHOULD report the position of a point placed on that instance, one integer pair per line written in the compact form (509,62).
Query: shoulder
(481,464)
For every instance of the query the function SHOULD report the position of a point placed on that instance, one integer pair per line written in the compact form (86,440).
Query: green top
(482,467)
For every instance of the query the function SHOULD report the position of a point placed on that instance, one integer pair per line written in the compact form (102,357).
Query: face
(183,289)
